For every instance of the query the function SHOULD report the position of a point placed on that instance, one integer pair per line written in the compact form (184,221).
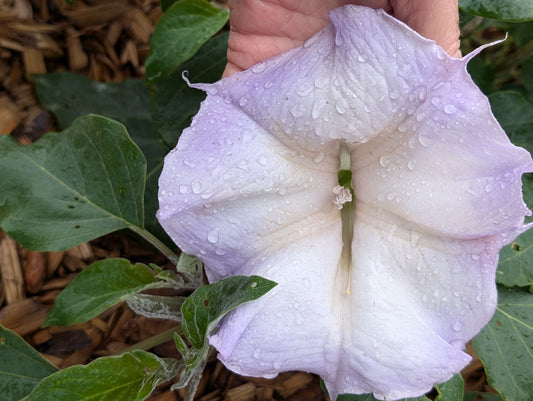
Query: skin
(261,29)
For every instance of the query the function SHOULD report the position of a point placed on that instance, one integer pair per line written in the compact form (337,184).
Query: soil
(106,41)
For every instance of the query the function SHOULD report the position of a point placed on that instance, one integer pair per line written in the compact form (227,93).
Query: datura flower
(384,276)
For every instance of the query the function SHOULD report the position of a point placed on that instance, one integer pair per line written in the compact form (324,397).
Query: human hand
(261,29)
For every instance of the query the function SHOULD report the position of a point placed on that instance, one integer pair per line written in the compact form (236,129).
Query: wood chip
(23,9)
(35,271)
(54,259)
(245,392)
(296,382)
(34,314)
(33,61)
(166,396)
(96,15)
(8,116)
(77,57)
(82,251)
(139,25)
(12,279)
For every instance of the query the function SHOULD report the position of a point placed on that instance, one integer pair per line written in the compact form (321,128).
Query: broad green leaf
(97,288)
(157,306)
(503,10)
(516,262)
(208,304)
(172,102)
(21,367)
(128,377)
(184,27)
(71,187)
(452,390)
(505,345)
(515,114)
(70,96)
(476,396)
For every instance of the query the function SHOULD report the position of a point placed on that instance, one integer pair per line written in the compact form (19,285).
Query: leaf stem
(153,341)
(159,245)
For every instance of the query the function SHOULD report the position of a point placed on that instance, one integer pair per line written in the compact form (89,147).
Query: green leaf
(21,367)
(184,27)
(527,77)
(452,390)
(505,345)
(515,115)
(172,102)
(516,262)
(70,96)
(208,304)
(71,187)
(502,10)
(128,377)
(97,288)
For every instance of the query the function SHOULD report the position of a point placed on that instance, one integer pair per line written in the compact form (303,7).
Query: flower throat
(345,201)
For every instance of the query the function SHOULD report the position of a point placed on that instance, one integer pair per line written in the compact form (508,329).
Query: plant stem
(160,246)
(153,341)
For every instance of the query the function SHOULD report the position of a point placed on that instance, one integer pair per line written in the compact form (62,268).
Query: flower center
(345,202)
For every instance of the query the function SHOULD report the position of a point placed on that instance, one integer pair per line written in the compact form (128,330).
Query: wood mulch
(106,41)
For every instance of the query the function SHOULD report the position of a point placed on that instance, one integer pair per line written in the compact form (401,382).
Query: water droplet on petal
(268,84)
(424,139)
(361,58)
(212,236)
(183,189)
(262,160)
(394,94)
(319,157)
(450,109)
(243,101)
(260,67)
(196,187)
(457,326)
(411,164)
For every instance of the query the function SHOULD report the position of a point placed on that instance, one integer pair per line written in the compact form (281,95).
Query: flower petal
(231,193)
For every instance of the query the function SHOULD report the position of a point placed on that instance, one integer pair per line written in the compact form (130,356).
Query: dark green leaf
(208,304)
(173,103)
(515,114)
(505,345)
(503,10)
(184,27)
(129,377)
(21,367)
(97,288)
(516,262)
(165,4)
(70,96)
(71,187)
(527,77)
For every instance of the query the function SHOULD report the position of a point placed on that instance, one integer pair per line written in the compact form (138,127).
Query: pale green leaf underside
(503,10)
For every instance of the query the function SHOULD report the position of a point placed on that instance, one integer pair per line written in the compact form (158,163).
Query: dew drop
(183,189)
(424,139)
(212,236)
(262,160)
(196,187)
(243,101)
(257,353)
(260,67)
(361,58)
(411,164)
(268,85)
(384,161)
(450,109)
(394,94)
(457,326)
(319,157)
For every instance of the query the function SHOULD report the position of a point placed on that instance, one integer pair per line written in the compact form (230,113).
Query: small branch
(152,341)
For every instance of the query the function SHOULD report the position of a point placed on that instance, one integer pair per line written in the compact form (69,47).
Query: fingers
(434,19)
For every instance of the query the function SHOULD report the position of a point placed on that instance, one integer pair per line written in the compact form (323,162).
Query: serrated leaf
(71,187)
(128,377)
(505,345)
(21,367)
(157,306)
(452,390)
(97,288)
(70,96)
(507,10)
(172,102)
(208,304)
(184,27)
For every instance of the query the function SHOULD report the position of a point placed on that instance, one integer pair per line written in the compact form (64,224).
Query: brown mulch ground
(106,41)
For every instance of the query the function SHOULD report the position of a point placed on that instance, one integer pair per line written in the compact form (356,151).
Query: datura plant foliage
(355,204)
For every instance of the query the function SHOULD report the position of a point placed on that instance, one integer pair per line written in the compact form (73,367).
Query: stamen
(343,195)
